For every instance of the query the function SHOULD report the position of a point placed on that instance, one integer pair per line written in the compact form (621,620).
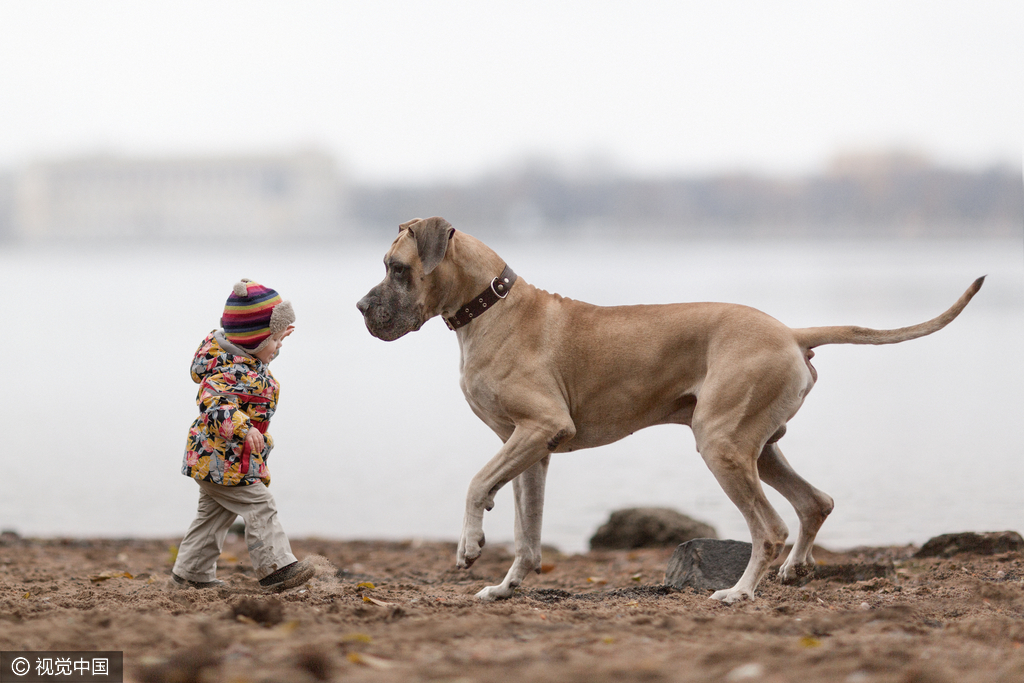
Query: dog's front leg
(528,489)
(528,445)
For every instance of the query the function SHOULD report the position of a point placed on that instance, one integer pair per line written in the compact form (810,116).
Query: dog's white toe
(492,593)
(731,595)
(787,572)
(791,569)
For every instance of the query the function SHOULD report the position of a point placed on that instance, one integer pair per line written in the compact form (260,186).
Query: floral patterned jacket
(236,393)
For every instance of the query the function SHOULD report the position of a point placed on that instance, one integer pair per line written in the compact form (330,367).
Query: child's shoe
(289,576)
(195,584)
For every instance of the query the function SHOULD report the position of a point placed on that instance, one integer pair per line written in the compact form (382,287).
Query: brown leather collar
(495,292)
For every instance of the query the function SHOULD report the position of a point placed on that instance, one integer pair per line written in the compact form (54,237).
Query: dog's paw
(788,573)
(492,593)
(463,560)
(469,550)
(732,595)
(792,571)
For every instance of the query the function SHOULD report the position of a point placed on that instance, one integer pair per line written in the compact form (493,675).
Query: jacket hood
(217,355)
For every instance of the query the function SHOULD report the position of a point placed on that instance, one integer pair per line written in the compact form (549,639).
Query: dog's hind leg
(528,489)
(736,471)
(811,505)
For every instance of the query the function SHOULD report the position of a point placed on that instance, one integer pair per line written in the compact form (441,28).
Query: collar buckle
(500,287)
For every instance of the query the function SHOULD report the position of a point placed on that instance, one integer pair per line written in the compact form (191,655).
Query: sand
(400,611)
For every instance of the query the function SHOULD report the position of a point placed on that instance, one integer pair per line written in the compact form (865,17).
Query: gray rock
(991,543)
(707,564)
(648,528)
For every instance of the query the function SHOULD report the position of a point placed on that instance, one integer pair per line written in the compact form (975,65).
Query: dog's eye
(397,269)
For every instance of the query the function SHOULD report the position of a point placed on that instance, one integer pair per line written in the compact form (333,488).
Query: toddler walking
(228,444)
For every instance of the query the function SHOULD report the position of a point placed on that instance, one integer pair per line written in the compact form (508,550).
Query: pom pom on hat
(253,313)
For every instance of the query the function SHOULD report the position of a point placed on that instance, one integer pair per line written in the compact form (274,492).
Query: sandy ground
(383,611)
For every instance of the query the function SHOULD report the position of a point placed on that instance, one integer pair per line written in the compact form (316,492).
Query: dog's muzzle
(382,322)
(377,319)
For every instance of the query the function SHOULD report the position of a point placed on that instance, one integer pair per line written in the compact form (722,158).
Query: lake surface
(374,439)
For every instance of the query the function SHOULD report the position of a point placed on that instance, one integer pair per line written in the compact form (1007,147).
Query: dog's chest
(483,390)
(486,404)
(481,394)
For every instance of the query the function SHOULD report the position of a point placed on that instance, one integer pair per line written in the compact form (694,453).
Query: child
(228,444)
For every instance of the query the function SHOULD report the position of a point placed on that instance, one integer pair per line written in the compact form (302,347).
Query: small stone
(746,672)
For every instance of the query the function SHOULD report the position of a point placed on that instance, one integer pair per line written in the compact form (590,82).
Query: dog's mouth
(383,325)
(387,333)
(379,324)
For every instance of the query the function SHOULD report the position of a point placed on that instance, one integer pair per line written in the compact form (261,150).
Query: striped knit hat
(253,313)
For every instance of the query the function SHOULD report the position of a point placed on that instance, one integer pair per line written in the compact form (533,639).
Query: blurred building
(267,196)
(303,194)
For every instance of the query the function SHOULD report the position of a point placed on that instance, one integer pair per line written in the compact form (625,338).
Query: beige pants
(269,549)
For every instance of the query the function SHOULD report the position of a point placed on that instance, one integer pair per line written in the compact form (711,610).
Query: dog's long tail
(809,337)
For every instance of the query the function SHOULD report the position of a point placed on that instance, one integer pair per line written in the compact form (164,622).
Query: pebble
(746,672)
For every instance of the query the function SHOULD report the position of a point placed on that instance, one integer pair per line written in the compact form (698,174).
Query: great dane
(549,374)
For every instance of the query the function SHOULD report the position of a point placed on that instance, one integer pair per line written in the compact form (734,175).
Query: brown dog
(550,374)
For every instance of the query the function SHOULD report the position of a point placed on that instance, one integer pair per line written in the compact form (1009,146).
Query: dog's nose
(363,305)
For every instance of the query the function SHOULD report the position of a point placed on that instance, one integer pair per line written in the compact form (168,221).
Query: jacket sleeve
(223,416)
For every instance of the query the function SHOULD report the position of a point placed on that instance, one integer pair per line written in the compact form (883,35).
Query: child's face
(267,353)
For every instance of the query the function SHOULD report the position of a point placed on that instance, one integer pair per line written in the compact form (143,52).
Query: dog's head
(408,296)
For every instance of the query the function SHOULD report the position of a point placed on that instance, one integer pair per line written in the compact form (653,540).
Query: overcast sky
(425,90)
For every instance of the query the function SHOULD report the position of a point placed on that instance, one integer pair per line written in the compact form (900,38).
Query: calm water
(374,439)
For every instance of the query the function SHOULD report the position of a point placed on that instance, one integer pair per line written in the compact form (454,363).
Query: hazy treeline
(303,195)
(898,196)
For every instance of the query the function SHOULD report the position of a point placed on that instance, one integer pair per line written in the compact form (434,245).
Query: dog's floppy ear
(406,224)
(432,235)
